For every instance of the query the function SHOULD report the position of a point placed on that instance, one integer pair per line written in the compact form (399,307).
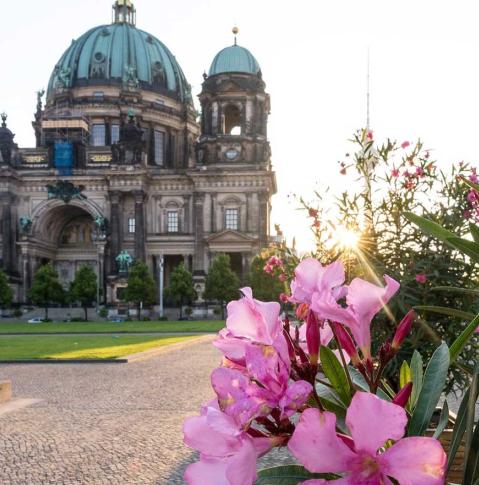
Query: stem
(316,398)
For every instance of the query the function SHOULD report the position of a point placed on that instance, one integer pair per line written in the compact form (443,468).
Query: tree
(46,288)
(222,284)
(141,287)
(84,287)
(181,289)
(265,286)
(6,293)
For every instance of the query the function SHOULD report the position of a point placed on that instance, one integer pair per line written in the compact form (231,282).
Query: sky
(424,74)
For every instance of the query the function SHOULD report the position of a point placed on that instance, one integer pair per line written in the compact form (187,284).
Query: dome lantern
(124,12)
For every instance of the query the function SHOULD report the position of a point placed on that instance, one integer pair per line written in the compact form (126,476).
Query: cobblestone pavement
(106,423)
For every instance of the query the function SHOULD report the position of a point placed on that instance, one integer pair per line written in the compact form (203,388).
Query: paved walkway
(104,424)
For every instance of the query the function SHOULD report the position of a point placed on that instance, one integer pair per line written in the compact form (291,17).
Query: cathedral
(125,168)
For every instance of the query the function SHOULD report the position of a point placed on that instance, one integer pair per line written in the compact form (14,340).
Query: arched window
(232,120)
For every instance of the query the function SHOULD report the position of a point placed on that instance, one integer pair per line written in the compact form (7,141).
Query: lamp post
(161,269)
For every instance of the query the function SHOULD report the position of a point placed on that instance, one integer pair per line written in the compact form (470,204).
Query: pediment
(229,236)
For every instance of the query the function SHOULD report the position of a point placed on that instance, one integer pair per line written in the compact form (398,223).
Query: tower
(235,109)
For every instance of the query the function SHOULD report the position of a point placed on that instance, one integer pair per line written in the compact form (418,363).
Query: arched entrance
(67,236)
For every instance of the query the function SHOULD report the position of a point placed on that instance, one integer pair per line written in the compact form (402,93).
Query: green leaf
(460,424)
(471,184)
(454,289)
(461,341)
(429,227)
(404,374)
(289,475)
(330,400)
(471,474)
(443,420)
(467,247)
(474,232)
(335,373)
(471,442)
(358,379)
(417,377)
(433,384)
(446,311)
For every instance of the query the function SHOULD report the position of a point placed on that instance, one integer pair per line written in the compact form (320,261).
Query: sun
(347,238)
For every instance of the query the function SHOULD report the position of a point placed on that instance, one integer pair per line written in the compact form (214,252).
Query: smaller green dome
(234,59)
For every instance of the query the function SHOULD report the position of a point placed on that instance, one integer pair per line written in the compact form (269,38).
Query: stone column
(214,118)
(8,233)
(214,209)
(199,262)
(263,220)
(115,234)
(139,225)
(249,212)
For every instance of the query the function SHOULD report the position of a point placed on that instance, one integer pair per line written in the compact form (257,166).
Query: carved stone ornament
(65,191)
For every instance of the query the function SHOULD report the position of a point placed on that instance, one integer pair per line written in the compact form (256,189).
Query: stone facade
(143,177)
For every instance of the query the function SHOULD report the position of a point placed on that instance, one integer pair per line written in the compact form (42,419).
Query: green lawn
(109,327)
(79,347)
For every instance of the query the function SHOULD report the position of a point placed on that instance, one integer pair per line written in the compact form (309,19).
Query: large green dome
(116,54)
(234,59)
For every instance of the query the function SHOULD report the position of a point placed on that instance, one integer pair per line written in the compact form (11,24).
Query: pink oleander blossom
(363,300)
(421,278)
(227,453)
(410,461)
(313,278)
(254,320)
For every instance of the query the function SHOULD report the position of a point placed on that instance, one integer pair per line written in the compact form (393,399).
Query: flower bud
(312,337)
(346,342)
(403,395)
(403,330)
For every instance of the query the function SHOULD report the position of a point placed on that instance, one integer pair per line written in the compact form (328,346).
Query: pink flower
(227,454)
(311,277)
(364,300)
(419,172)
(268,268)
(370,135)
(253,319)
(474,178)
(274,261)
(472,196)
(421,278)
(410,461)
(394,172)
(405,144)
(282,277)
(313,212)
(284,298)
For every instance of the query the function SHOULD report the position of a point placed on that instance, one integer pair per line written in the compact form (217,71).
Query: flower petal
(372,421)
(211,471)
(209,437)
(252,319)
(415,460)
(296,395)
(316,445)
